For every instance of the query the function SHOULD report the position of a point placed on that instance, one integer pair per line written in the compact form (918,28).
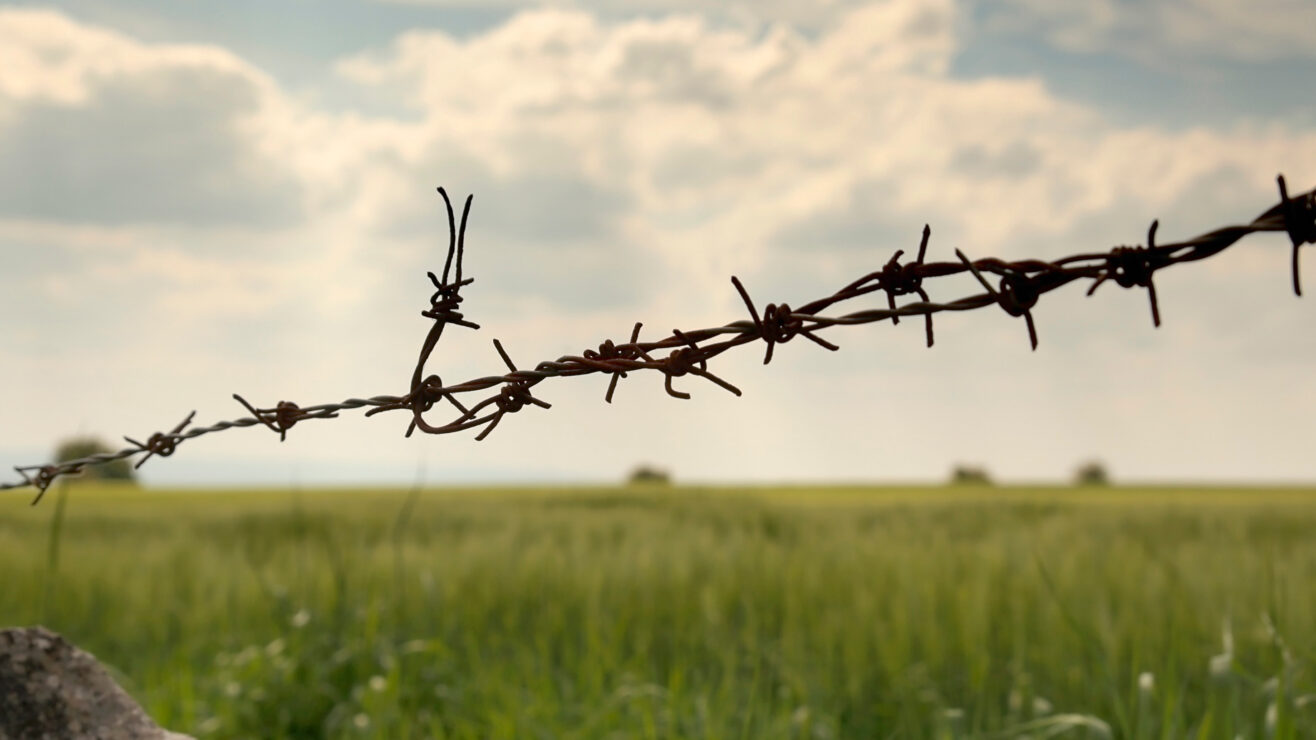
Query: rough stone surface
(51,690)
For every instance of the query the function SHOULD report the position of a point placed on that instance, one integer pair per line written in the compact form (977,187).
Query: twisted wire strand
(1020,284)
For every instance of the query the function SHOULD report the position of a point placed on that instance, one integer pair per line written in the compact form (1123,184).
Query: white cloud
(719,136)
(49,57)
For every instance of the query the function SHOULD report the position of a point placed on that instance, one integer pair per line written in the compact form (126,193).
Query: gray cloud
(668,70)
(863,221)
(162,146)
(1016,159)
(1221,29)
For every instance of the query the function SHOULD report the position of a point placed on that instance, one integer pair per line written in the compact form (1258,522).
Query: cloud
(688,133)
(805,16)
(680,133)
(97,128)
(623,169)
(1211,29)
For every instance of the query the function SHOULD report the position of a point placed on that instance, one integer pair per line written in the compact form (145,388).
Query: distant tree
(1091,473)
(74,448)
(970,475)
(650,475)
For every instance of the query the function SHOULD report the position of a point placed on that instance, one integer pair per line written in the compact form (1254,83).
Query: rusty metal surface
(1019,286)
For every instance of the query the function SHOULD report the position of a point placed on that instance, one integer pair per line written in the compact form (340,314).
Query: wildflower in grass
(378,683)
(361,721)
(1221,665)
(954,719)
(246,655)
(1060,724)
(300,619)
(416,646)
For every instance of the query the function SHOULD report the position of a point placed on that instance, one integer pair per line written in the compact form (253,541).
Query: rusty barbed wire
(1020,284)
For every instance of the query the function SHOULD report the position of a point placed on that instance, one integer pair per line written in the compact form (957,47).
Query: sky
(201,199)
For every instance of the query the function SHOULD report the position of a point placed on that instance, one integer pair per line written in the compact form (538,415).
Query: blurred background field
(682,612)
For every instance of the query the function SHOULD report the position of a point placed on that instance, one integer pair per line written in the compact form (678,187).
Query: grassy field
(685,613)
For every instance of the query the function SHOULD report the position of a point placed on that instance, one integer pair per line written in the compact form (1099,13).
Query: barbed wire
(1020,285)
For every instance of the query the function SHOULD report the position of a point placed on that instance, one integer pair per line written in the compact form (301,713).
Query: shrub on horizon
(649,475)
(970,475)
(75,448)
(1091,473)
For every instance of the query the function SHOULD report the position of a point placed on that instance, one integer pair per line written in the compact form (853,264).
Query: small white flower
(378,683)
(361,721)
(1221,665)
(300,619)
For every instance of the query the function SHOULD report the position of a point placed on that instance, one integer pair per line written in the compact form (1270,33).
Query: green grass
(686,613)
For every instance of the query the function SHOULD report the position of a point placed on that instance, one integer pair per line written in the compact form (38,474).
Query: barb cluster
(1019,286)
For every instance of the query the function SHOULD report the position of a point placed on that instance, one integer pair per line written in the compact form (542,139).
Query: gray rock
(51,690)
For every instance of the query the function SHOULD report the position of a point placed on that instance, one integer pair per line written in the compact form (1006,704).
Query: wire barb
(778,324)
(1019,287)
(159,443)
(1016,297)
(283,416)
(45,475)
(513,396)
(1299,222)
(897,279)
(1133,266)
(609,356)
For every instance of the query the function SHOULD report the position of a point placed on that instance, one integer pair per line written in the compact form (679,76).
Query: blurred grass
(685,612)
